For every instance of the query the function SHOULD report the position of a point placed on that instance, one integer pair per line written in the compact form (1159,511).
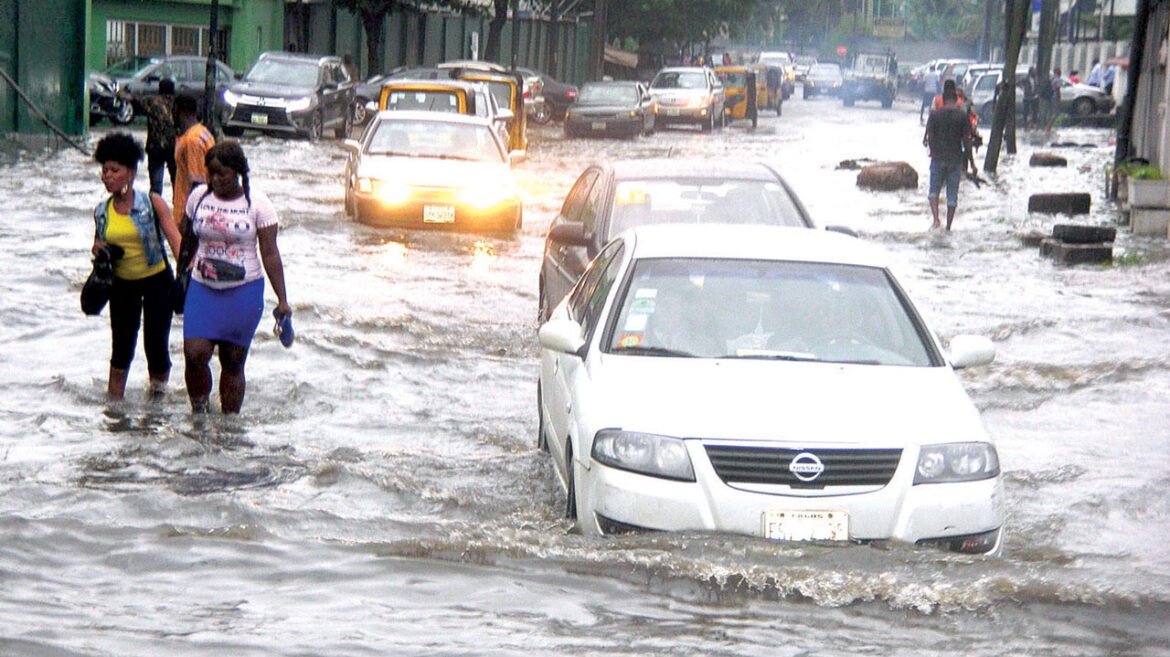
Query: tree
(491,49)
(373,15)
(676,23)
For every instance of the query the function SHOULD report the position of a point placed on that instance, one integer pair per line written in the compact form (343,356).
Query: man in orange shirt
(190,150)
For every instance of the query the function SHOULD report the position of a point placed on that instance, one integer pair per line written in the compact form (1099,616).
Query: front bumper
(897,511)
(668,114)
(605,124)
(437,209)
(269,119)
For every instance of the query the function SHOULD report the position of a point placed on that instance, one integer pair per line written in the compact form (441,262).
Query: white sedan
(768,381)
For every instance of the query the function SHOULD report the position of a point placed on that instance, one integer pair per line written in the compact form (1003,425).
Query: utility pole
(1016,24)
(985,42)
(1049,14)
(1137,54)
(210,119)
(597,63)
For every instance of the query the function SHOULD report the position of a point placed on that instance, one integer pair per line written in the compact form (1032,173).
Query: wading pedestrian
(194,140)
(948,136)
(160,135)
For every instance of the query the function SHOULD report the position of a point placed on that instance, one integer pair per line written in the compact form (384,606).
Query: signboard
(886,27)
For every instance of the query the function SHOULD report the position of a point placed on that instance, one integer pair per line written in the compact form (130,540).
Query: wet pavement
(382,492)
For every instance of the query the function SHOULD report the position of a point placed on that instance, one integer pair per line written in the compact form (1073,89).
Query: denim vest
(142,214)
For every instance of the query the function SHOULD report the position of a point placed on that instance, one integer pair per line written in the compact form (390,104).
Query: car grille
(770,465)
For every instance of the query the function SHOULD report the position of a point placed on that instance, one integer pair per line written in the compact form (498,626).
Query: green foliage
(675,22)
(1147,172)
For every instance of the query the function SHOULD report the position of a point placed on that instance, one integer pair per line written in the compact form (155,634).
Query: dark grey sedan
(610,198)
(611,108)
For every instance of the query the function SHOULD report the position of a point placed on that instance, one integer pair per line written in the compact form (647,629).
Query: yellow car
(746,90)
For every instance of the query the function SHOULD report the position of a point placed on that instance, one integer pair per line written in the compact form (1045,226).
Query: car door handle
(556,366)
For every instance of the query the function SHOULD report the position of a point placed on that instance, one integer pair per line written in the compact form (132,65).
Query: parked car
(138,78)
(688,94)
(622,108)
(763,381)
(557,95)
(822,80)
(1076,99)
(609,198)
(105,103)
(432,169)
(290,93)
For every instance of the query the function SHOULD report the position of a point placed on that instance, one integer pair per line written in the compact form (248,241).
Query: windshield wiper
(764,354)
(654,351)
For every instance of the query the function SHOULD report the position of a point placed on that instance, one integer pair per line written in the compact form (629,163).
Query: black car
(293,94)
(558,95)
(105,103)
(610,198)
(138,77)
(823,80)
(622,108)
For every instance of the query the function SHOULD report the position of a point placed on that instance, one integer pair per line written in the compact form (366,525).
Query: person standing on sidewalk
(948,136)
(160,135)
(190,150)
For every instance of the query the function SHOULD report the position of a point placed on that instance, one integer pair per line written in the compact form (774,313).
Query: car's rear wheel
(1083,107)
(360,114)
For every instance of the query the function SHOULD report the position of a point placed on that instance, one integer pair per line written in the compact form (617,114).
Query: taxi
(746,89)
(452,96)
(505,86)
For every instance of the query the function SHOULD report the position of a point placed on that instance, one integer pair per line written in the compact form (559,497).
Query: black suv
(292,94)
(138,77)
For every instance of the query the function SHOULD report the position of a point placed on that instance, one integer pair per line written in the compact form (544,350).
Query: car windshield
(606,94)
(825,70)
(766,309)
(502,91)
(284,72)
(702,201)
(679,80)
(456,141)
(128,67)
(428,100)
(733,78)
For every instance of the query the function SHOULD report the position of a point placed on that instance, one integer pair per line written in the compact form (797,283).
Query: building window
(129,39)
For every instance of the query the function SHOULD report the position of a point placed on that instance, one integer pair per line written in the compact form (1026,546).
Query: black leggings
(146,299)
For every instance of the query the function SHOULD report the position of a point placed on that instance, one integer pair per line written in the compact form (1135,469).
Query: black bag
(187,249)
(95,294)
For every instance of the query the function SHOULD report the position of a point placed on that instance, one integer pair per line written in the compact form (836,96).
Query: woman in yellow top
(138,223)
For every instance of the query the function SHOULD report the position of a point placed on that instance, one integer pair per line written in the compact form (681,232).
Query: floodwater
(382,493)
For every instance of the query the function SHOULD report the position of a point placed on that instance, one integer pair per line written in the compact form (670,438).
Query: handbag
(187,249)
(95,294)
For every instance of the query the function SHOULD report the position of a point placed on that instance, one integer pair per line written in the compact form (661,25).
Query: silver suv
(688,94)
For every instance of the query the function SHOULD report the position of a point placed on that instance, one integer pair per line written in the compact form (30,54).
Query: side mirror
(516,157)
(971,351)
(352,145)
(569,233)
(562,335)
(505,115)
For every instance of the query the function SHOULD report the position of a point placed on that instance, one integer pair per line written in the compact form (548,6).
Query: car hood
(270,90)
(677,93)
(431,171)
(790,401)
(1080,89)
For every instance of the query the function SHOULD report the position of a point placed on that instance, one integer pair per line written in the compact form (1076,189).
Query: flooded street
(382,492)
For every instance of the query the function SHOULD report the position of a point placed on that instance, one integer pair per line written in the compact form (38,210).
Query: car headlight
(633,114)
(954,462)
(390,193)
(485,195)
(230,98)
(299,104)
(644,453)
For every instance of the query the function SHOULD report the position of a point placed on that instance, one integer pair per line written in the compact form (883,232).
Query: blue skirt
(229,315)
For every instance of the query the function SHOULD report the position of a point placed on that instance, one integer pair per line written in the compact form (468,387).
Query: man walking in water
(948,136)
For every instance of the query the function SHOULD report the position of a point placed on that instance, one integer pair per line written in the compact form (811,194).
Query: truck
(872,76)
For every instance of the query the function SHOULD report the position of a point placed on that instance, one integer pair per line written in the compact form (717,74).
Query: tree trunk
(1016,24)
(491,50)
(374,23)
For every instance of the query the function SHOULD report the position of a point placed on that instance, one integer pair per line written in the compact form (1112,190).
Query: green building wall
(42,48)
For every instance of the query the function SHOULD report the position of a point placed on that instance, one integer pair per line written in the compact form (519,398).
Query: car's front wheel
(123,113)
(1083,107)
(360,113)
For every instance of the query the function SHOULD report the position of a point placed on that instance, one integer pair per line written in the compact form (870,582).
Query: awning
(621,57)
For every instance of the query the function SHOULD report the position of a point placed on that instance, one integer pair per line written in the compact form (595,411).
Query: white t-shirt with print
(228,254)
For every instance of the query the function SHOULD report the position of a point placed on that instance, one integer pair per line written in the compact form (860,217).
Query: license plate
(598,125)
(670,111)
(439,214)
(260,119)
(806,525)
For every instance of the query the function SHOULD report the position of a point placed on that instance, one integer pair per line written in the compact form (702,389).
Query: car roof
(676,168)
(611,83)
(434,117)
(752,242)
(423,83)
(296,56)
(683,69)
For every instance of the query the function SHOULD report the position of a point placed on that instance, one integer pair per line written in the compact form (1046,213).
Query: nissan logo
(806,467)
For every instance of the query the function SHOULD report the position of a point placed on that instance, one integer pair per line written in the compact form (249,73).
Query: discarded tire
(1076,254)
(1064,203)
(1047,160)
(1078,234)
